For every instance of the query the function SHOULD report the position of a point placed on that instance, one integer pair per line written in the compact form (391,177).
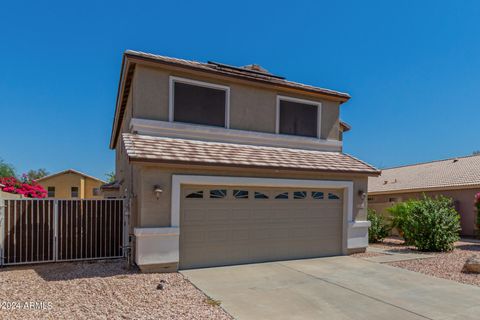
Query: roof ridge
(433,161)
(162,56)
(209,66)
(67,171)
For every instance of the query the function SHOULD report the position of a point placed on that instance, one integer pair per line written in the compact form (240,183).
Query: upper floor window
(51,192)
(96,191)
(74,192)
(199,102)
(298,117)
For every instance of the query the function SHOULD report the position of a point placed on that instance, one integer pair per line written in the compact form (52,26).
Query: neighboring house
(227,165)
(72,184)
(457,178)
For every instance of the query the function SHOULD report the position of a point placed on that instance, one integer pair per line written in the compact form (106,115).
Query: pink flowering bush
(25,187)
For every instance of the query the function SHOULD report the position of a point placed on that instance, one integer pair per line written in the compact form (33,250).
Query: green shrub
(400,213)
(378,229)
(432,224)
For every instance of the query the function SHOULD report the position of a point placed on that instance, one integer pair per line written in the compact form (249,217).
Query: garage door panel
(194,215)
(240,214)
(238,235)
(218,214)
(217,236)
(231,231)
(277,233)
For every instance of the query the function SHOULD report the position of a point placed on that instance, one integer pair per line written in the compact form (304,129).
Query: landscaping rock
(472,264)
(100,291)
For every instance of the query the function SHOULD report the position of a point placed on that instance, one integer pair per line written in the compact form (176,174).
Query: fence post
(55,230)
(125,228)
(2,230)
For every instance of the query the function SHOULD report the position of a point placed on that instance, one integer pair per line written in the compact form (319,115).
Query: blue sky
(412,68)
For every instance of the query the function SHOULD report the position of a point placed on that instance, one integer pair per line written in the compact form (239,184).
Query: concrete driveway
(334,288)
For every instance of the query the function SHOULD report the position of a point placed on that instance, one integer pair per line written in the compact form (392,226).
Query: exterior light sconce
(157,189)
(362,194)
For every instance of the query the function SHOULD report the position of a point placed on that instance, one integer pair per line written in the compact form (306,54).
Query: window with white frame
(298,117)
(199,102)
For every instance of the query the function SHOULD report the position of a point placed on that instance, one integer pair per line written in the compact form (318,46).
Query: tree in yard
(37,174)
(6,170)
(110,176)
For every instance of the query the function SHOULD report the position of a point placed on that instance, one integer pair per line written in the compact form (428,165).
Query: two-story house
(227,165)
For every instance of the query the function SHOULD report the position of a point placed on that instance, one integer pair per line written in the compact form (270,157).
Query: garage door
(234,225)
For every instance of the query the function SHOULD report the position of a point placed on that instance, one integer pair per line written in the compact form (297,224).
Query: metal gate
(47,230)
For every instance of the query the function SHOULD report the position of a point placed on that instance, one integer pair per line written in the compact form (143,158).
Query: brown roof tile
(160,149)
(458,172)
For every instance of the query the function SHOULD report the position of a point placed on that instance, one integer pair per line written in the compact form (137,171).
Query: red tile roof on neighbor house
(456,173)
(170,150)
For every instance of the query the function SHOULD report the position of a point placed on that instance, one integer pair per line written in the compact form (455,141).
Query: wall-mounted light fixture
(362,194)
(157,189)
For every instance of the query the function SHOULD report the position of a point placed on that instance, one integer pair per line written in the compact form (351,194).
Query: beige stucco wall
(153,212)
(464,203)
(123,169)
(251,107)
(64,182)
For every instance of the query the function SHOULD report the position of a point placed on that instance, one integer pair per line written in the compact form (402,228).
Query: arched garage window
(240,194)
(195,195)
(218,193)
(260,195)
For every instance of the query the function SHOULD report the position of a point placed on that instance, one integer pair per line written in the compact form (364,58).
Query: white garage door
(234,225)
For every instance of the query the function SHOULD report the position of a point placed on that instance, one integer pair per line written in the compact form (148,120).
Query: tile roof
(236,71)
(115,185)
(458,172)
(170,150)
(70,171)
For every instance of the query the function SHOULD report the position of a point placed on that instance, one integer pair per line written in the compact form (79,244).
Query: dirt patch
(394,245)
(102,290)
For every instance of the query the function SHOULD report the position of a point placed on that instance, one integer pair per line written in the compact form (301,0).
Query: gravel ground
(393,244)
(447,265)
(101,290)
